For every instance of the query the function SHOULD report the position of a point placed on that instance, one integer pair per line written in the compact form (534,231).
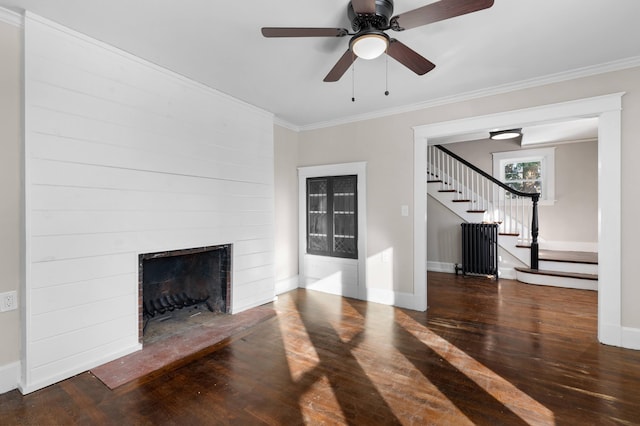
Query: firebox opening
(181,289)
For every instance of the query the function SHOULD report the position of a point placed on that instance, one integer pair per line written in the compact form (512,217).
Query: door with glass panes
(332,216)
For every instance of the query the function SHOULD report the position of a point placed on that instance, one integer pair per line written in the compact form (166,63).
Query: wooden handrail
(502,185)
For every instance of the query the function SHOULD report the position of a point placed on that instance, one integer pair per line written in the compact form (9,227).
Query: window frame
(547,173)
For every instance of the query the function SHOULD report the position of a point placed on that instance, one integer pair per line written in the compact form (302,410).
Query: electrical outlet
(8,301)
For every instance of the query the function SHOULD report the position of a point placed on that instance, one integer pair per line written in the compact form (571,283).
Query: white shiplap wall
(122,158)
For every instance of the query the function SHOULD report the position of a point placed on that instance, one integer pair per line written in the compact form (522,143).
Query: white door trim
(608,110)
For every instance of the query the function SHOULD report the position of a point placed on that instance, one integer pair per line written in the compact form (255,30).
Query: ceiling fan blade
(341,66)
(409,58)
(438,11)
(303,32)
(364,6)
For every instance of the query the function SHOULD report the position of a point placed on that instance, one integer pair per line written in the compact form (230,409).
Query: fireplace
(177,286)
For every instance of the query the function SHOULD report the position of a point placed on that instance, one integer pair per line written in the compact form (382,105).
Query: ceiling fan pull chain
(386,75)
(353,82)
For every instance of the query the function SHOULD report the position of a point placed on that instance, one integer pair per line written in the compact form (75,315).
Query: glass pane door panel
(332,227)
(344,215)
(317,223)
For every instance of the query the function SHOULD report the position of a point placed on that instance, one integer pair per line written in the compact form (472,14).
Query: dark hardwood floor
(500,353)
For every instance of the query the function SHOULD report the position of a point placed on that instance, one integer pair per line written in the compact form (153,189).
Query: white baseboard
(506,272)
(441,267)
(9,376)
(32,386)
(631,338)
(243,305)
(409,301)
(331,285)
(615,335)
(609,334)
(287,284)
(393,298)
(374,295)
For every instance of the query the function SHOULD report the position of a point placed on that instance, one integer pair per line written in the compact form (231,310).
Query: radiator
(479,249)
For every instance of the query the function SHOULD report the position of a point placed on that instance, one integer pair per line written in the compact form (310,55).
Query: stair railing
(484,193)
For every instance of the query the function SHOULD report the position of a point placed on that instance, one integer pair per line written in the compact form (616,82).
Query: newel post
(534,233)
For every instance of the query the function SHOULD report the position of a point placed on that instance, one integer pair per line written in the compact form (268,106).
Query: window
(332,228)
(525,176)
(528,170)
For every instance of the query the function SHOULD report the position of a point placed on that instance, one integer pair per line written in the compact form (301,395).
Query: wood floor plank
(502,353)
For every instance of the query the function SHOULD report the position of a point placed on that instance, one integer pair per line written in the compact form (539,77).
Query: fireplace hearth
(178,285)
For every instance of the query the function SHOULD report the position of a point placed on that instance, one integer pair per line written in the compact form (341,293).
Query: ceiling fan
(369,21)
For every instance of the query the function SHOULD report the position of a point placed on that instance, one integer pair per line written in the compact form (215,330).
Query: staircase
(571,269)
(476,197)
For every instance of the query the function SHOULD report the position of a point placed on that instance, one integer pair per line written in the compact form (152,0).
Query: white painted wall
(387,148)
(443,235)
(124,158)
(10,195)
(286,214)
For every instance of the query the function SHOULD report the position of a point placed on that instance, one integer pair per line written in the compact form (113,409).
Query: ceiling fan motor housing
(377,21)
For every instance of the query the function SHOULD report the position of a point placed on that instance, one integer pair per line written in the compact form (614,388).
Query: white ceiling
(219,44)
(578,130)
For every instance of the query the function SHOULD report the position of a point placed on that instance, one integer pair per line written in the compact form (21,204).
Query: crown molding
(10,17)
(612,66)
(287,125)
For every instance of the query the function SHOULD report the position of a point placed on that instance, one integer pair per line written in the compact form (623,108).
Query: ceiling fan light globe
(369,46)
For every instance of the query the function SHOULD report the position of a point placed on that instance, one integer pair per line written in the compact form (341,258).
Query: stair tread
(587,257)
(569,256)
(558,273)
